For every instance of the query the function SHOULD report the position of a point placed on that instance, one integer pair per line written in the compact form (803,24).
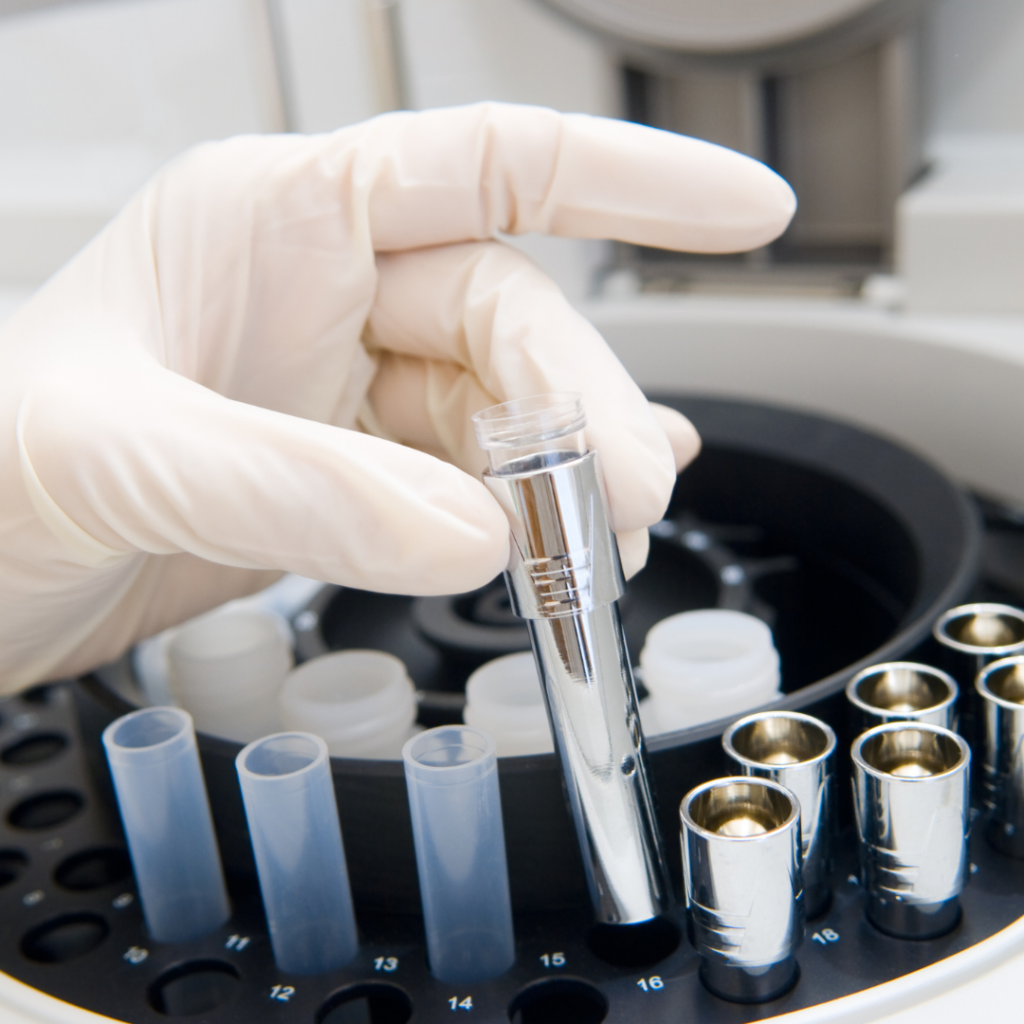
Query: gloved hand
(209,394)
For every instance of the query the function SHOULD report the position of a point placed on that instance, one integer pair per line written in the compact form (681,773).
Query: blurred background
(856,102)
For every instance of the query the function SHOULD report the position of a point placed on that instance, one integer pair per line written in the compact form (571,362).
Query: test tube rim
(259,778)
(981,607)
(484,420)
(118,749)
(981,683)
(858,758)
(877,711)
(747,762)
(729,780)
(426,774)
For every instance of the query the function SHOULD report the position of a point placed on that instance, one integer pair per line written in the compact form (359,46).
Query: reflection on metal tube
(911,803)
(981,633)
(564,578)
(1001,686)
(902,691)
(744,894)
(973,636)
(795,751)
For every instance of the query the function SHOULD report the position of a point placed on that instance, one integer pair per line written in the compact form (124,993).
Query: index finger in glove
(465,173)
(465,326)
(409,180)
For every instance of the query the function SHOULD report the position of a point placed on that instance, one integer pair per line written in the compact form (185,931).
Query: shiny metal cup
(973,636)
(977,634)
(1001,687)
(911,803)
(795,751)
(900,691)
(744,887)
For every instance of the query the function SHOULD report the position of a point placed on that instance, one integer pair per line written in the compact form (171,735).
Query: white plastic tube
(227,670)
(363,703)
(703,665)
(296,838)
(504,699)
(452,777)
(154,762)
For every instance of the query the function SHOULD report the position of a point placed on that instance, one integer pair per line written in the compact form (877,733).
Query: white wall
(461,51)
(975,57)
(160,74)
(94,95)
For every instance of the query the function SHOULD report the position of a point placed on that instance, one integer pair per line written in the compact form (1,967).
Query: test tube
(795,751)
(564,578)
(154,762)
(452,777)
(296,838)
(910,796)
(900,691)
(744,889)
(1001,686)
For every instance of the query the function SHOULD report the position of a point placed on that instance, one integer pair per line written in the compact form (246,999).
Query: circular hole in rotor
(34,749)
(64,938)
(93,869)
(192,988)
(372,1003)
(12,863)
(38,694)
(46,810)
(559,1001)
(634,945)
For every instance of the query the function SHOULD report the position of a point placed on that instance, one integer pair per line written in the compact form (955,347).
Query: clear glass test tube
(452,777)
(296,838)
(155,766)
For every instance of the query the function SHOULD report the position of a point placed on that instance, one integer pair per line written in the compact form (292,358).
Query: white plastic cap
(504,699)
(362,703)
(227,669)
(703,665)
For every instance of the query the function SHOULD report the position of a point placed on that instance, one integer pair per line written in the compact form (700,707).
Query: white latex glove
(180,406)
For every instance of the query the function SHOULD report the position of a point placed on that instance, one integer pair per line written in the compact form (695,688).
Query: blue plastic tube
(154,762)
(293,823)
(452,777)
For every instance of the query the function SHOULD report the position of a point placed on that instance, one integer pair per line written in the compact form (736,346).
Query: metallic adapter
(796,751)
(744,887)
(1001,687)
(910,797)
(564,578)
(904,691)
